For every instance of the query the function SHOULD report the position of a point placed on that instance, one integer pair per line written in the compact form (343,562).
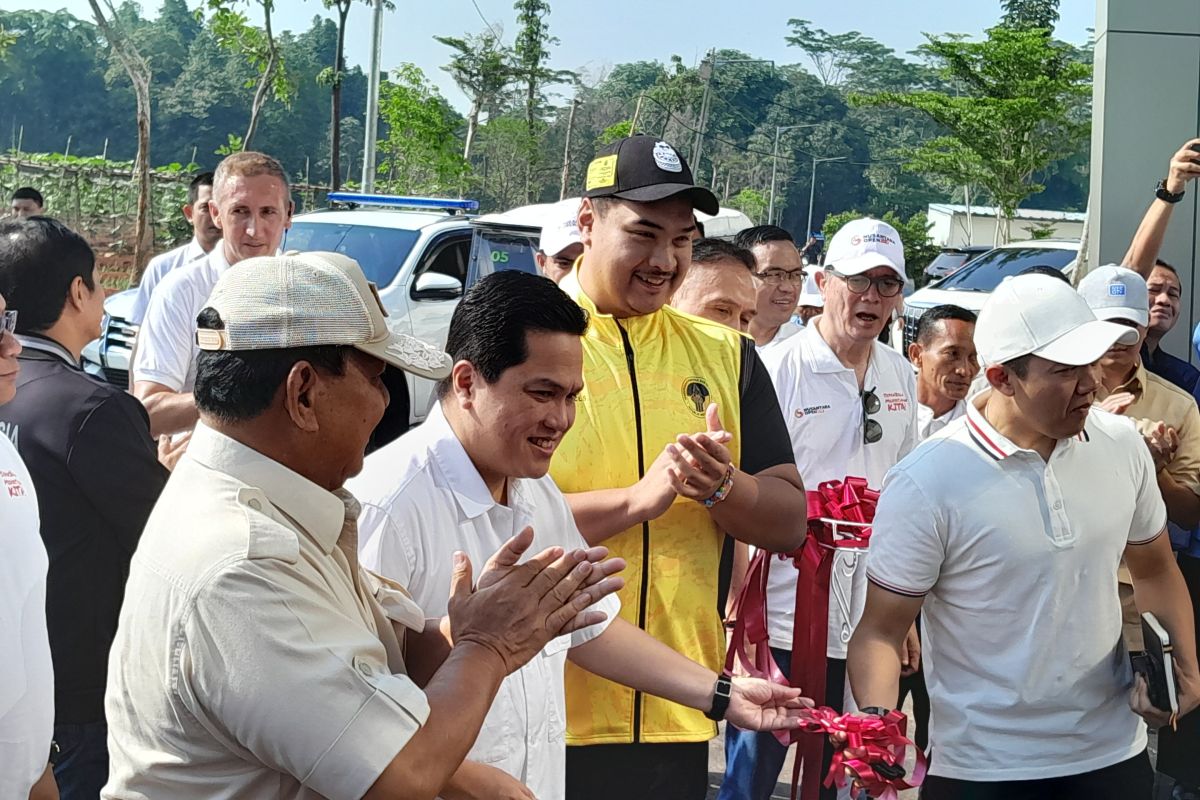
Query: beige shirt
(253,657)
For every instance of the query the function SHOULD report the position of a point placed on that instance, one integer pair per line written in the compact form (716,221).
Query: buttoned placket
(1061,533)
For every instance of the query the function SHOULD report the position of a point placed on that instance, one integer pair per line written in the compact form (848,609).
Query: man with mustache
(944,356)
(1004,533)
(659,497)
(851,409)
(252,205)
(473,476)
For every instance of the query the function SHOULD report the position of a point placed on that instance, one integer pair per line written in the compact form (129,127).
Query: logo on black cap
(644,169)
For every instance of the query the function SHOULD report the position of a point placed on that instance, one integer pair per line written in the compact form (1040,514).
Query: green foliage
(232,145)
(1028,14)
(7,40)
(616,131)
(233,31)
(421,154)
(919,249)
(750,202)
(1021,108)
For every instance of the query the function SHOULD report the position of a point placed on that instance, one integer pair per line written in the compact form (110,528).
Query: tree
(422,155)
(333,77)
(1041,14)
(139,75)
(259,47)
(1018,113)
(530,57)
(7,40)
(833,54)
(481,66)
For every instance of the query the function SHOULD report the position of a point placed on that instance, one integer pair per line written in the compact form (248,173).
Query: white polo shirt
(1017,560)
(928,424)
(786,331)
(422,500)
(821,403)
(26,672)
(253,657)
(158,268)
(166,345)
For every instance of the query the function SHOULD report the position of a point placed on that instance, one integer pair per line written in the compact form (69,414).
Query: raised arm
(1147,242)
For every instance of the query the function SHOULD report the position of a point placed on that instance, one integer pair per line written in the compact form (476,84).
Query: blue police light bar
(397,201)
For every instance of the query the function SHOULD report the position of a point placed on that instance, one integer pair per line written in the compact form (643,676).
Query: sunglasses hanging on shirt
(872,430)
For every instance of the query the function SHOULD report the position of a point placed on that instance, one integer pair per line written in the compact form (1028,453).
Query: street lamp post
(775,163)
(812,188)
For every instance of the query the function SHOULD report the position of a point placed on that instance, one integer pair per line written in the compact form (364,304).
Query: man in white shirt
(851,410)
(474,475)
(1005,532)
(943,354)
(780,275)
(205,235)
(26,671)
(252,206)
(810,303)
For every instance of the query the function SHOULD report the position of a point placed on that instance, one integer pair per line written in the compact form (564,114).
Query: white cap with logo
(811,296)
(864,244)
(1043,316)
(1115,292)
(311,300)
(561,229)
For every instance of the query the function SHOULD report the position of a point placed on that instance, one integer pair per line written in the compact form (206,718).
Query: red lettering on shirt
(12,483)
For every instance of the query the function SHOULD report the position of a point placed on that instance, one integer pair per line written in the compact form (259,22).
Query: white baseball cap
(811,296)
(562,228)
(311,300)
(1043,316)
(863,245)
(1115,292)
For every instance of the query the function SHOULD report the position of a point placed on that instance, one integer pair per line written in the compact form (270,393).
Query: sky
(594,36)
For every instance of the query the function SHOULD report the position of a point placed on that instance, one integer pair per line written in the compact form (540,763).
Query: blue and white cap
(1114,292)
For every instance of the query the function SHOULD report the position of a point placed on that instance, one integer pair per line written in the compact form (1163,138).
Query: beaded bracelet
(722,491)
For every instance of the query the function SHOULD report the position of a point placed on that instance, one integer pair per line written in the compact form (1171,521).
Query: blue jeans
(753,760)
(82,768)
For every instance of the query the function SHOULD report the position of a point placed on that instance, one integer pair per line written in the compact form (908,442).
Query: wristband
(722,691)
(722,491)
(1162,193)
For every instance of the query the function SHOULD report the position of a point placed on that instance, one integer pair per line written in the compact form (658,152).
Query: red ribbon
(870,741)
(842,501)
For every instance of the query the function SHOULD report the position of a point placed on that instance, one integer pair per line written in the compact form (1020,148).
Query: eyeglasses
(8,324)
(778,276)
(872,430)
(859,284)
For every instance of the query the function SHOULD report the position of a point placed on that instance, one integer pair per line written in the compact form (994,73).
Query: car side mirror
(436,286)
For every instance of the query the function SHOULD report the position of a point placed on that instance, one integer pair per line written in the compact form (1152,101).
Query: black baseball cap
(644,169)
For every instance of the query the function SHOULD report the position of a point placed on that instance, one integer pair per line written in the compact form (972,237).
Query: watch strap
(722,691)
(876,711)
(1162,193)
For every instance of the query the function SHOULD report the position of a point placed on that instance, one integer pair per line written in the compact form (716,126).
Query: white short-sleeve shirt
(786,331)
(823,409)
(928,424)
(166,345)
(1017,560)
(253,657)
(422,500)
(159,267)
(26,672)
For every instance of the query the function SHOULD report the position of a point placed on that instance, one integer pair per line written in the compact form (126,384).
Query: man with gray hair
(252,205)
(254,657)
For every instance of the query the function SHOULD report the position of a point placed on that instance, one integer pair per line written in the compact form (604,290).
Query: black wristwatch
(876,710)
(1166,196)
(722,691)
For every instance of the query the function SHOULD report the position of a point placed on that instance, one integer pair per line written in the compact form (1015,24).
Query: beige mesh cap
(311,300)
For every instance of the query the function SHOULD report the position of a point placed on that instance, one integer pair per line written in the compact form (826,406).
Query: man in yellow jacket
(678,441)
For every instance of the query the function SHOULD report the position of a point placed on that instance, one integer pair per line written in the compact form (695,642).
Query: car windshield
(379,251)
(985,273)
(495,249)
(945,263)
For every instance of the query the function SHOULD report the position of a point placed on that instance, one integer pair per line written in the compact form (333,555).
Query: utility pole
(775,162)
(637,113)
(368,179)
(706,73)
(566,169)
(812,190)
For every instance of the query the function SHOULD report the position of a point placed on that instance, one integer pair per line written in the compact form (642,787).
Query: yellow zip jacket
(646,380)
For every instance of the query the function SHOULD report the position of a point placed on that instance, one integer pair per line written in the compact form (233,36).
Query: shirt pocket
(501,737)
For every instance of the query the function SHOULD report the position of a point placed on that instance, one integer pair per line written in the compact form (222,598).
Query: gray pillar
(1146,103)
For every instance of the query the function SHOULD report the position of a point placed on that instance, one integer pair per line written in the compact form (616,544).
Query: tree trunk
(531,148)
(472,126)
(139,75)
(264,83)
(335,122)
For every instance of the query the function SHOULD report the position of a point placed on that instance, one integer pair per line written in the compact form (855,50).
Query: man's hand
(1163,443)
(1117,402)
(1185,166)
(654,493)
(910,654)
(1187,694)
(700,461)
(757,705)
(507,557)
(531,604)
(172,448)
(474,781)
